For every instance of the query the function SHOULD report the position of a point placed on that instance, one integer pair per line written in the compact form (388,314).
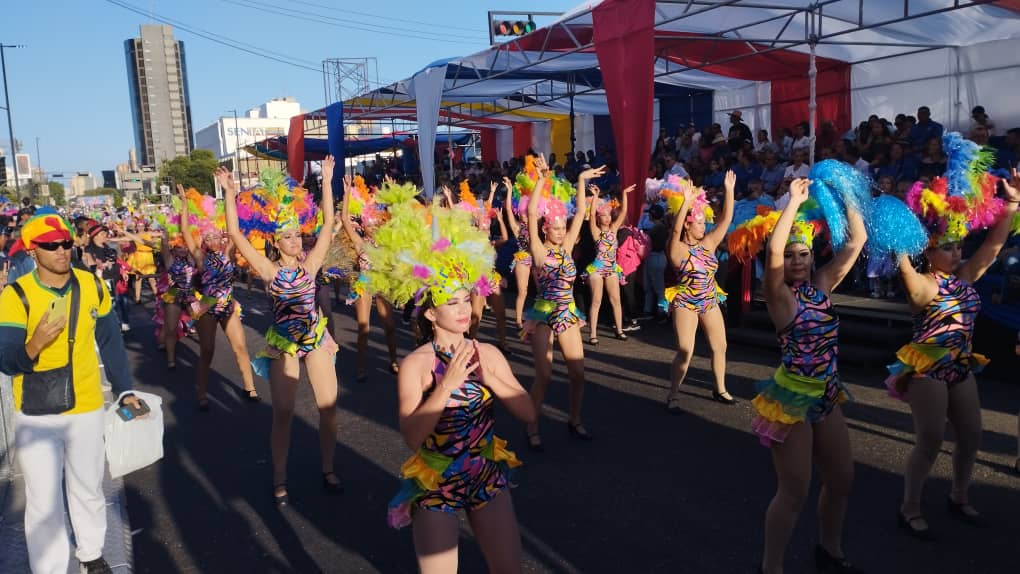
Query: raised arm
(508,206)
(782,306)
(345,218)
(166,252)
(621,219)
(985,255)
(593,219)
(318,253)
(832,274)
(722,225)
(503,237)
(921,289)
(258,261)
(582,205)
(193,249)
(678,249)
(537,247)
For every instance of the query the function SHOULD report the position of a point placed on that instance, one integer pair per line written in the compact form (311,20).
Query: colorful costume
(180,289)
(523,255)
(806,387)
(554,305)
(142,261)
(357,290)
(941,344)
(298,327)
(217,288)
(462,464)
(605,257)
(695,288)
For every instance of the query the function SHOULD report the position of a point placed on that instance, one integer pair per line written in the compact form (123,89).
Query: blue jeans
(655,280)
(121,304)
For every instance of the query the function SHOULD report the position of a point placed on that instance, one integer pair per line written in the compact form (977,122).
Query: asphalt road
(652,493)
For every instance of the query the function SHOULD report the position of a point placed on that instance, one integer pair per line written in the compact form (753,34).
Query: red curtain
(296,148)
(790,100)
(624,37)
(488,143)
(522,138)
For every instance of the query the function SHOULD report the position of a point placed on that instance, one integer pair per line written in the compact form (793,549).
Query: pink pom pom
(420,272)
(483,287)
(441,244)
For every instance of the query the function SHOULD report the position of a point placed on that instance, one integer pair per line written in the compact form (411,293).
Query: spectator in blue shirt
(899,166)
(772,174)
(745,170)
(925,129)
(714,179)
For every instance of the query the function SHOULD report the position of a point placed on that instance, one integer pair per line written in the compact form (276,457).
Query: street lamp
(237,148)
(7,106)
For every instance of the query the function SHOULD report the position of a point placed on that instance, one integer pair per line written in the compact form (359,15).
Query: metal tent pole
(812,103)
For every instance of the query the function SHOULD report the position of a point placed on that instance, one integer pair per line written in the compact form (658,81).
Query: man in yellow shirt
(60,436)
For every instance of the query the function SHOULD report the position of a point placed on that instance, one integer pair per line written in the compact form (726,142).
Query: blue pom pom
(839,187)
(893,228)
(959,155)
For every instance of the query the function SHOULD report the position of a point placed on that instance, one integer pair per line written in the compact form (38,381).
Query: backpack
(633,249)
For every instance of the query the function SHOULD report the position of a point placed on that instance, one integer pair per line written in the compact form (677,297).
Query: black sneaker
(631,327)
(97,566)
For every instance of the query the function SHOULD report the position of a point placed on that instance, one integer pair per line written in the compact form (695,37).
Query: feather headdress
(409,263)
(672,189)
(276,204)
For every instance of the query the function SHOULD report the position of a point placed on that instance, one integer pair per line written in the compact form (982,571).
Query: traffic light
(517,28)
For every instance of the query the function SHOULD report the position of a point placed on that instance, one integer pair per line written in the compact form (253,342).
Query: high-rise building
(160,104)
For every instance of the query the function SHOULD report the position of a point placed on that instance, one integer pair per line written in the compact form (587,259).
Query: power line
(345,24)
(251,49)
(390,18)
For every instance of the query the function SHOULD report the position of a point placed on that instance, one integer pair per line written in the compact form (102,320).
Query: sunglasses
(66,244)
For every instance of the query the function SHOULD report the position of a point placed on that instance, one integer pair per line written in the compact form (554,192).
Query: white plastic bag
(135,444)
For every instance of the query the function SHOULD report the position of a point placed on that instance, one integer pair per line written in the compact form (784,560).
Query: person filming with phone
(53,319)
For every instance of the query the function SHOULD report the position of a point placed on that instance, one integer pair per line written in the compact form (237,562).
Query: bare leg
(322,376)
(385,310)
(325,305)
(498,304)
(138,288)
(521,274)
(495,528)
(792,460)
(613,290)
(929,401)
(595,282)
(234,331)
(542,351)
(573,353)
(152,287)
(714,328)
(965,416)
(363,312)
(283,384)
(685,326)
(477,308)
(835,463)
(435,541)
(207,348)
(171,316)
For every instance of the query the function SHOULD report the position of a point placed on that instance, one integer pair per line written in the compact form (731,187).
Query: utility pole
(7,106)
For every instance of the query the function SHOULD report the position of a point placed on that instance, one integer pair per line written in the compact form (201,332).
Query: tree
(194,171)
(57,193)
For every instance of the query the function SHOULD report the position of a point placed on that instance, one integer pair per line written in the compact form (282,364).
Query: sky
(69,88)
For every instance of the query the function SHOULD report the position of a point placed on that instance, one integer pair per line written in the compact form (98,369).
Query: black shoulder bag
(52,392)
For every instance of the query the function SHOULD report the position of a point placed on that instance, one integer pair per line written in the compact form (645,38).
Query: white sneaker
(124,327)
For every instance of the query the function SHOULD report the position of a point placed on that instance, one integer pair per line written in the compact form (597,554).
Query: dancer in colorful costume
(694,299)
(299,329)
(179,295)
(215,305)
(435,259)
(360,202)
(554,316)
(517,216)
(605,273)
(934,372)
(798,413)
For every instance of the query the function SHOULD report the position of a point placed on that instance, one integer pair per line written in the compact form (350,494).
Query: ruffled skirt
(786,399)
(926,360)
(278,345)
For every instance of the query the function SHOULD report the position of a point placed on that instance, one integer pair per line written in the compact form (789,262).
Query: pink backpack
(633,250)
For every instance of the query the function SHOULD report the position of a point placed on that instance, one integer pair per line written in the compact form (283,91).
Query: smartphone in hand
(58,309)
